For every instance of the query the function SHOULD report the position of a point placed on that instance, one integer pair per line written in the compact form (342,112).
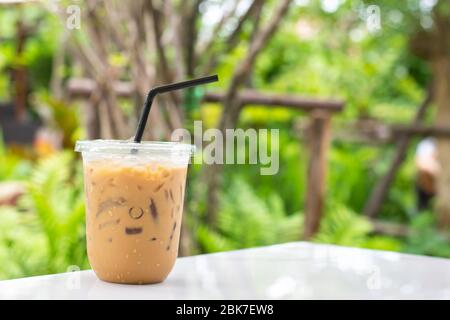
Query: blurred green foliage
(60,116)
(12,166)
(246,220)
(316,53)
(425,239)
(42,31)
(44,233)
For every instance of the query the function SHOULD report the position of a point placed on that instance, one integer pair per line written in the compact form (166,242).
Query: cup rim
(125,146)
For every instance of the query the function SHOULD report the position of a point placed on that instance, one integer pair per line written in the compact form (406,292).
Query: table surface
(296,270)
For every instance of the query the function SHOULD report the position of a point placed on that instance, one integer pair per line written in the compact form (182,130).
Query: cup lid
(126,146)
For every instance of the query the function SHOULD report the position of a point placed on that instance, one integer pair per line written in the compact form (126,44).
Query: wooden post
(319,140)
(20,74)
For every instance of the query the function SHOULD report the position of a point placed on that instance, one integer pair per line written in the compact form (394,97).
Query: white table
(288,271)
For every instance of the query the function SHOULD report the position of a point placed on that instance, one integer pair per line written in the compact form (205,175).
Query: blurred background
(376,72)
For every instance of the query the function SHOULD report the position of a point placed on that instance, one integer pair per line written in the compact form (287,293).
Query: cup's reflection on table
(134,205)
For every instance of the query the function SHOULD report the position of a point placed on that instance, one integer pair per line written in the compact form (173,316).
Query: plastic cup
(134,205)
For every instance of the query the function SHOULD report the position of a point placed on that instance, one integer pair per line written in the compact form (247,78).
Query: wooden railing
(319,133)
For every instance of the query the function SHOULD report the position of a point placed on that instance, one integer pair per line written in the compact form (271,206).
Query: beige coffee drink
(134,204)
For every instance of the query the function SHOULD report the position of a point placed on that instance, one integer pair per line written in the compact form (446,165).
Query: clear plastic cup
(134,205)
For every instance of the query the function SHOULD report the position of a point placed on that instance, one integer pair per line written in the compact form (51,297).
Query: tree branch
(156,23)
(233,39)
(175,24)
(243,68)
(173,117)
(208,44)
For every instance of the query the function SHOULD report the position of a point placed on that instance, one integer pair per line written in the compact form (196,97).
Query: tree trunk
(381,189)
(440,61)
(441,70)
(91,117)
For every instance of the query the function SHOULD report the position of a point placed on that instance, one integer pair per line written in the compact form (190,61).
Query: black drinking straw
(162,89)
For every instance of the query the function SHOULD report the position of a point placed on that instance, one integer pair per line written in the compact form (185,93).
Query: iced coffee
(134,205)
